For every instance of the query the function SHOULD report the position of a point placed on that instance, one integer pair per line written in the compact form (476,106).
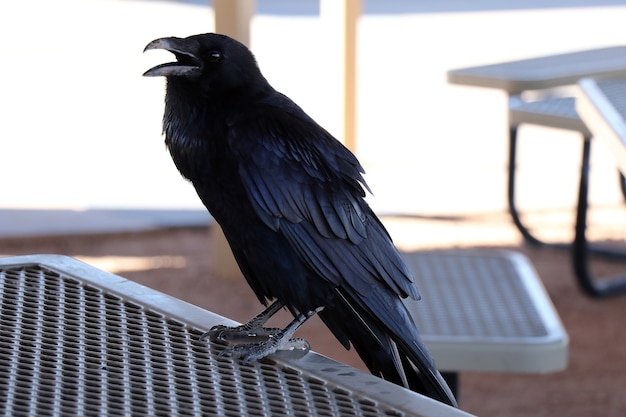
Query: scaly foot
(274,339)
(259,350)
(243,332)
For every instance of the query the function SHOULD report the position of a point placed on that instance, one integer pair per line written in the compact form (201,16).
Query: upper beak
(187,61)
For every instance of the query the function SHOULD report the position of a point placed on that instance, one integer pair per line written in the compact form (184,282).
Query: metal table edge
(321,367)
(603,118)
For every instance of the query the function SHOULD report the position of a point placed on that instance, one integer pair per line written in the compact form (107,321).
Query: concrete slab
(32,223)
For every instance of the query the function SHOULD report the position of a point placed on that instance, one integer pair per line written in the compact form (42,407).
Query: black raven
(290,200)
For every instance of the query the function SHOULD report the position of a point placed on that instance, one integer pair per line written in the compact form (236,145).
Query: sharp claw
(297,344)
(205,337)
(214,333)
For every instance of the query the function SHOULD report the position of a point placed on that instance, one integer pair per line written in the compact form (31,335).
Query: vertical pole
(232,18)
(340,18)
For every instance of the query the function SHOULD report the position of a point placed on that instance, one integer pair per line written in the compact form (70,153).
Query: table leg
(622,184)
(582,207)
(528,236)
(580,248)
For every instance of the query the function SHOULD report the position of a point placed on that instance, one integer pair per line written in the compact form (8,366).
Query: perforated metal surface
(485,311)
(602,106)
(473,296)
(559,112)
(69,347)
(615,92)
(554,106)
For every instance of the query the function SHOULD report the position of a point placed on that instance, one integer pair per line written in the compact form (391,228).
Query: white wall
(81,128)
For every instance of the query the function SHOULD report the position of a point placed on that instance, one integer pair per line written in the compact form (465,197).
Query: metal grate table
(78,341)
(541,73)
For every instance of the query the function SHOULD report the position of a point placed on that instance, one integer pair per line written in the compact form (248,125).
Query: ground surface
(177,262)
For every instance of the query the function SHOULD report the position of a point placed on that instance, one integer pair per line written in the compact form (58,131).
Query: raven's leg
(253,328)
(279,341)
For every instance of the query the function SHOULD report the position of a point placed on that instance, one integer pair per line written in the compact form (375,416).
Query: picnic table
(77,341)
(541,74)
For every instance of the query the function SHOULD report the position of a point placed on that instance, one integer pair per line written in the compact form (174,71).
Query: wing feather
(306,185)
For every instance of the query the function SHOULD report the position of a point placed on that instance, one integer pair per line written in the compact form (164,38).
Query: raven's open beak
(187,61)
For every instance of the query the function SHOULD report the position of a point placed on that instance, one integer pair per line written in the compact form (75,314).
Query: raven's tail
(388,343)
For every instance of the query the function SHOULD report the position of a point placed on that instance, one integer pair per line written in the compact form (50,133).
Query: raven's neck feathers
(196,123)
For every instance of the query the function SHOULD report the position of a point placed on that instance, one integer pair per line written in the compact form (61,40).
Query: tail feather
(393,351)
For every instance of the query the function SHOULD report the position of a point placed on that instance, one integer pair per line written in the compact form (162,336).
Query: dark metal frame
(515,215)
(580,248)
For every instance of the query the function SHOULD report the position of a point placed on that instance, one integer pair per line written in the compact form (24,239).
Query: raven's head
(214,62)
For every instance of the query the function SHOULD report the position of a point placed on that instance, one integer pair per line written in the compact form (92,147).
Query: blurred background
(82,155)
(81,129)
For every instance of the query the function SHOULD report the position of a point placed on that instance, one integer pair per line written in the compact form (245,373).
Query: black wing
(306,185)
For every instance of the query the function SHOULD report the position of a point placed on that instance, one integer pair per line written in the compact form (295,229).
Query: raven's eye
(215,56)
